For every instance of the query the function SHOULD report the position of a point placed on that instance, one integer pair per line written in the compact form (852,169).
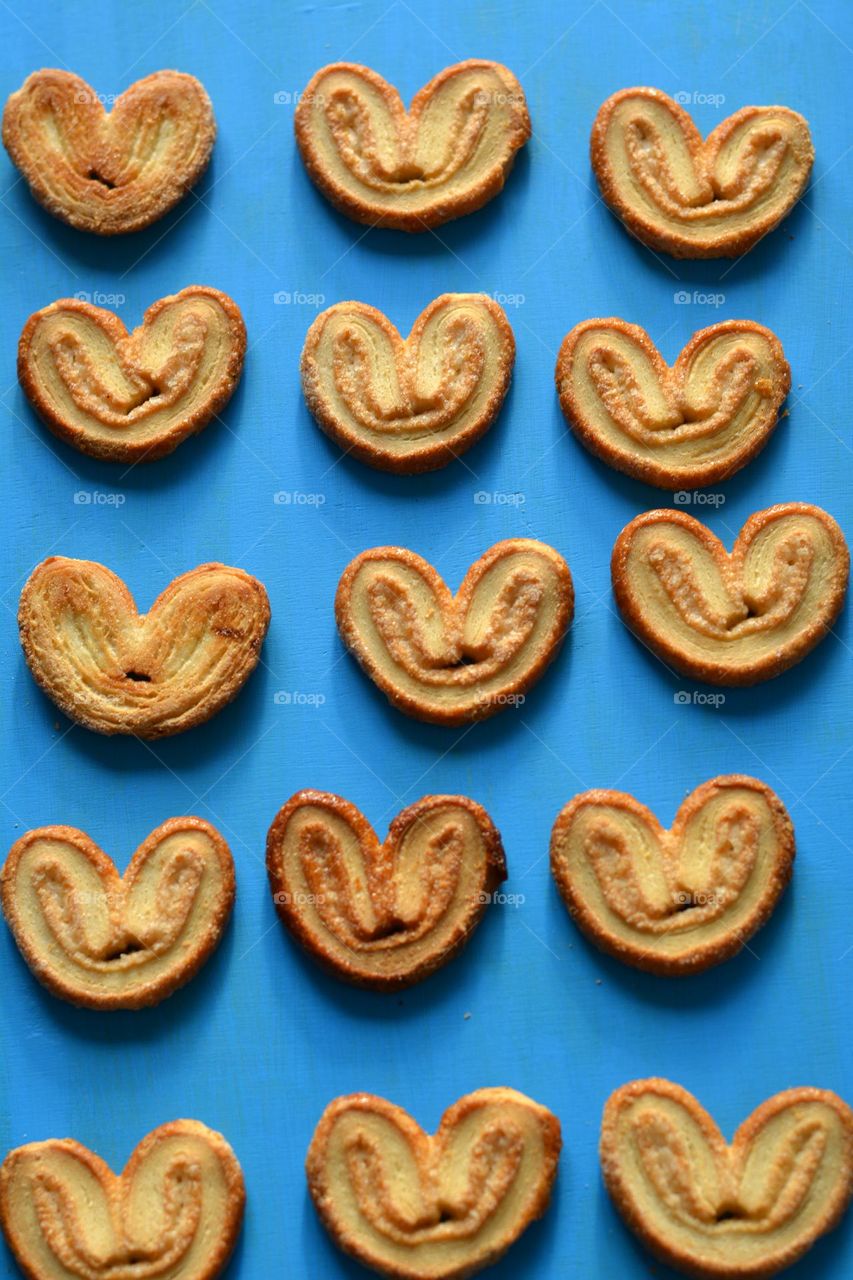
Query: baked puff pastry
(383,915)
(454,659)
(681,426)
(109,172)
(106,941)
(408,404)
(174,1213)
(439,1206)
(727,1212)
(695,198)
(132,397)
(446,156)
(114,670)
(732,619)
(674,902)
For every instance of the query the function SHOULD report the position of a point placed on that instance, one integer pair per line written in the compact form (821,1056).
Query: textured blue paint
(260,1041)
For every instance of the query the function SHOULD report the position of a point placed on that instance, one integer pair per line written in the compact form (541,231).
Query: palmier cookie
(695,198)
(105,941)
(694,423)
(440,1206)
(727,1212)
(109,172)
(732,619)
(412,404)
(132,397)
(115,670)
(174,1213)
(383,915)
(454,659)
(378,163)
(679,901)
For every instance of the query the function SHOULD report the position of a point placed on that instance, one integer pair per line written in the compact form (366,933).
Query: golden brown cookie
(453,659)
(715,1211)
(674,902)
(383,915)
(115,670)
(109,172)
(447,155)
(174,1213)
(693,423)
(412,404)
(695,198)
(440,1206)
(732,619)
(105,941)
(132,397)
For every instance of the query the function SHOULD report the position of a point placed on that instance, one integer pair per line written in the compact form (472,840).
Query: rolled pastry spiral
(385,166)
(695,198)
(440,1206)
(106,941)
(174,1213)
(682,426)
(383,915)
(413,404)
(732,619)
(715,1211)
(453,659)
(115,670)
(674,902)
(109,172)
(132,397)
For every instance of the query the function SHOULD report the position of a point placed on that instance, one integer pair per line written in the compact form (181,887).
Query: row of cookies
(406,405)
(449,659)
(386,915)
(441,1206)
(448,155)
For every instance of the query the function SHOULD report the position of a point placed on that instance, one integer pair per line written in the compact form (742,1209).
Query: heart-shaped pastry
(383,915)
(453,659)
(440,1206)
(109,172)
(410,404)
(692,198)
(736,618)
(115,670)
(690,424)
(674,902)
(105,941)
(132,397)
(447,155)
(720,1212)
(174,1213)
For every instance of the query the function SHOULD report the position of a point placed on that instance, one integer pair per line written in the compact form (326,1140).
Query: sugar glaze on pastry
(385,166)
(440,1206)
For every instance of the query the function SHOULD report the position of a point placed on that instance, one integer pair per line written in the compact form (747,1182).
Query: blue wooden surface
(260,1041)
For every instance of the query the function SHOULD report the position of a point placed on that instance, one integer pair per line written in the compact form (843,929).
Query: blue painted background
(260,1041)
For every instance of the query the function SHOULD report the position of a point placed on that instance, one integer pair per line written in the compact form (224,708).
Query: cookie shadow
(191,1006)
(712,988)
